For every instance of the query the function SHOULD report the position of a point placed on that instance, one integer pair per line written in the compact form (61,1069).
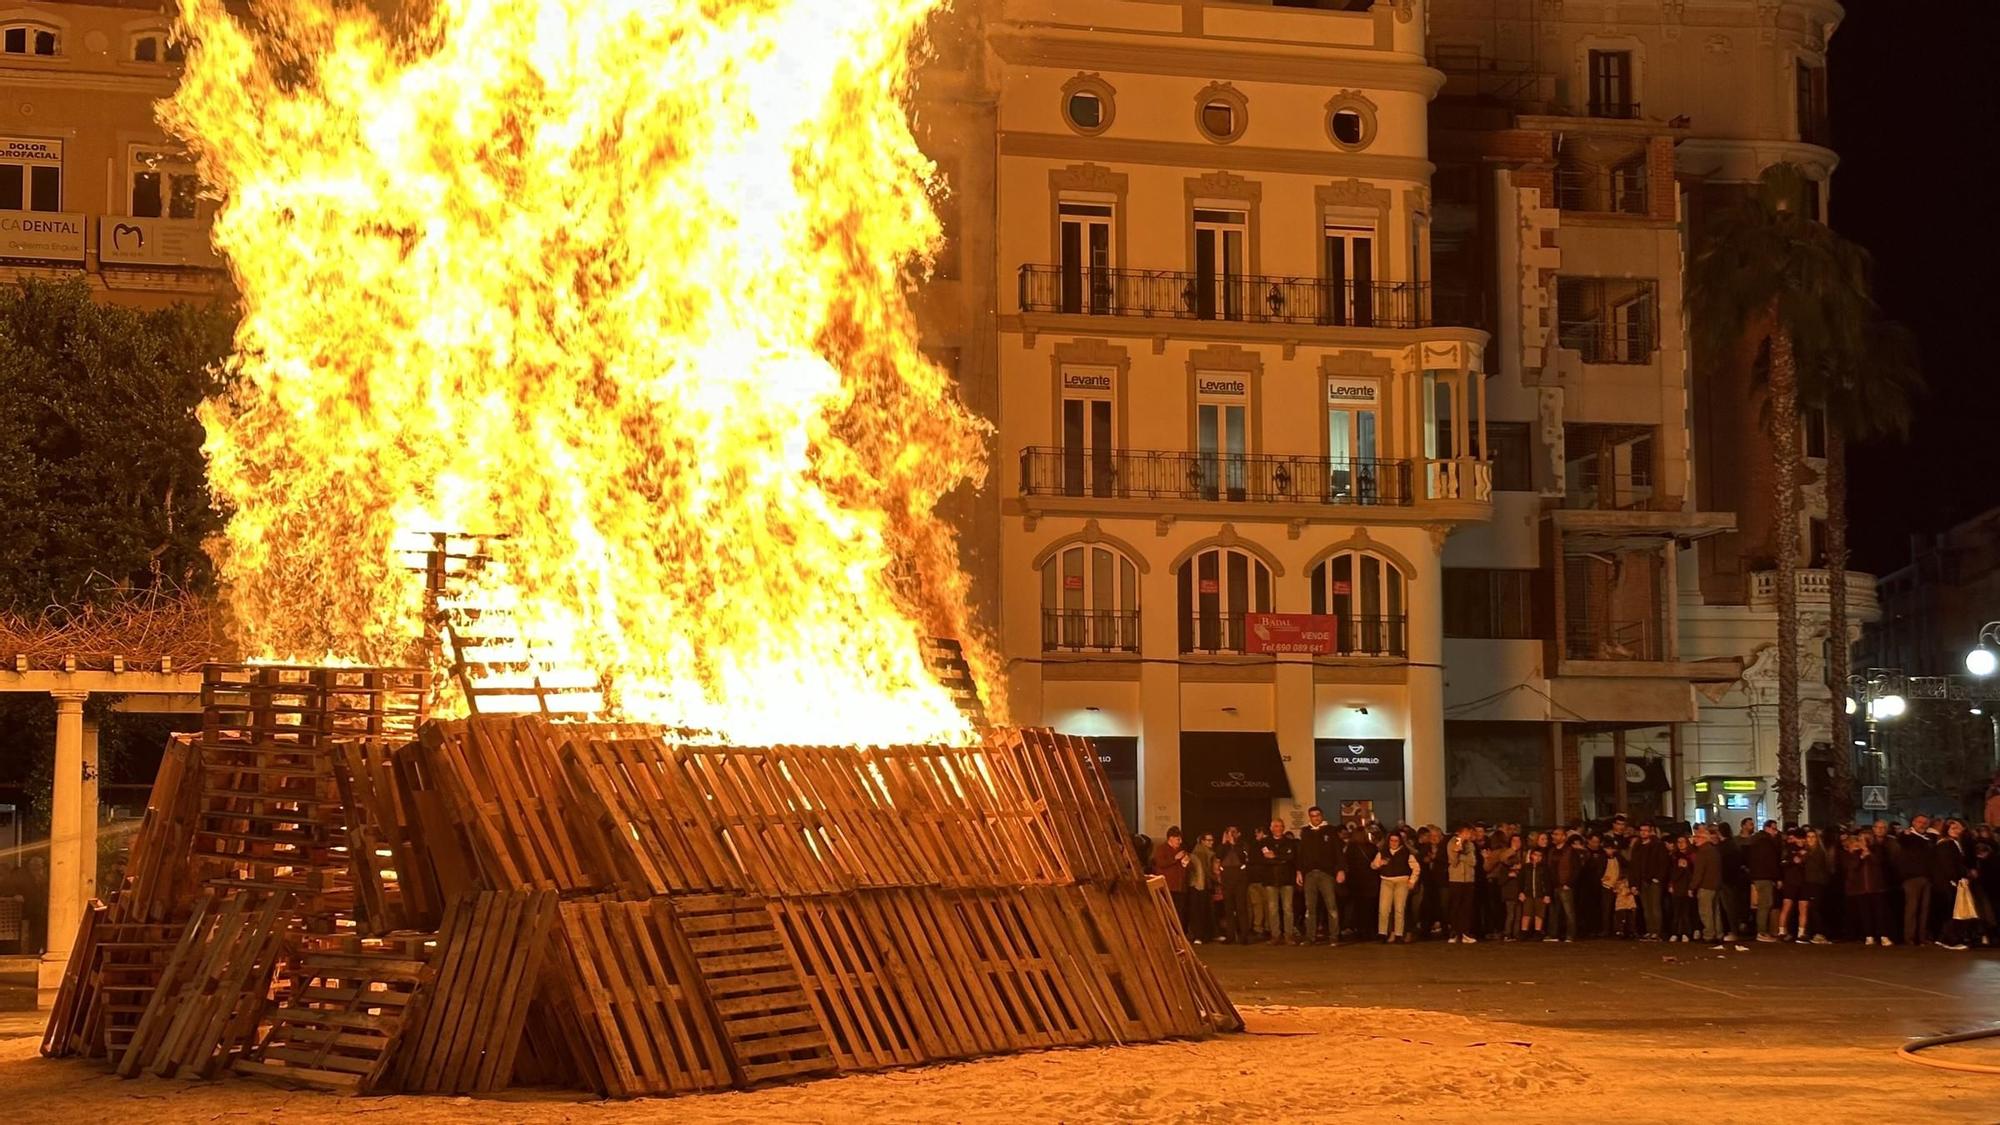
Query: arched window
(28,39)
(1367,594)
(1090,601)
(1218,587)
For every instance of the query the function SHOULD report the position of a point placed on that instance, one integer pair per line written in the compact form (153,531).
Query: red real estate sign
(1291,632)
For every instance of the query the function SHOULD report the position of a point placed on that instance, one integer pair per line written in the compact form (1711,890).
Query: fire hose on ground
(1909,1050)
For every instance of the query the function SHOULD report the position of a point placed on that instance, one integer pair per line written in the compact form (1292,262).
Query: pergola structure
(74,810)
(146,650)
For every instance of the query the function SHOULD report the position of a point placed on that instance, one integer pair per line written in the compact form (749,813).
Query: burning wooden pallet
(505,900)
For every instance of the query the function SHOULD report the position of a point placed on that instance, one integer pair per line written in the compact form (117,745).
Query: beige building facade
(89,183)
(1228,402)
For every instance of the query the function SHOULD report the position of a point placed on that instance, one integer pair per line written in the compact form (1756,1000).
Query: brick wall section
(1662,190)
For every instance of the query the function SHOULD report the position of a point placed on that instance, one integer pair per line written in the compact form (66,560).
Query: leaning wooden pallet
(341,1025)
(487,961)
(212,992)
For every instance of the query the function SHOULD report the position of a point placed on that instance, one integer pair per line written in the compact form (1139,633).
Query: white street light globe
(1890,706)
(1851,706)
(1982,661)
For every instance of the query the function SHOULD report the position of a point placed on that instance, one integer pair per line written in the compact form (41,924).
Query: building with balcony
(1611,634)
(1238,423)
(89,184)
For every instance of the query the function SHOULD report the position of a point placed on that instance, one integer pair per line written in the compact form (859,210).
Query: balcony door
(1221,289)
(1086,435)
(1611,84)
(1222,436)
(1348,265)
(1085,269)
(1350,442)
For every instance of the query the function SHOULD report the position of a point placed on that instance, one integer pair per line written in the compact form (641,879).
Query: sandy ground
(1364,1064)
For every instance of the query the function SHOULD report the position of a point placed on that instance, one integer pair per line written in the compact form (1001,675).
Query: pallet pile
(330,892)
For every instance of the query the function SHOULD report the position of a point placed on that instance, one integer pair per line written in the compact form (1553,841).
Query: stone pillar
(1674,771)
(1294,714)
(1426,672)
(1159,748)
(90,816)
(65,836)
(1618,795)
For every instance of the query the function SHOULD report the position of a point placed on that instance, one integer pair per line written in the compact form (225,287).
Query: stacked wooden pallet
(326,894)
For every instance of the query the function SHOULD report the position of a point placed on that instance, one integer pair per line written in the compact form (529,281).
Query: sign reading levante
(1314,633)
(1347,392)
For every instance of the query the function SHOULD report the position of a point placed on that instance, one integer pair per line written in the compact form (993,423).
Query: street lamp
(1873,694)
(1983,660)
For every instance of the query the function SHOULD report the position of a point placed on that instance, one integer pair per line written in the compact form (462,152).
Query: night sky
(1915,103)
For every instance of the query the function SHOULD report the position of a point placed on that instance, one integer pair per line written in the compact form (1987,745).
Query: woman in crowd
(1395,866)
(1864,878)
(1680,891)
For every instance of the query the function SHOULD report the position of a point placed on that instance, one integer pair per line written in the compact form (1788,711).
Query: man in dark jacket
(1278,868)
(1321,875)
(1362,887)
(1764,855)
(1648,873)
(1565,873)
(1911,855)
(1707,883)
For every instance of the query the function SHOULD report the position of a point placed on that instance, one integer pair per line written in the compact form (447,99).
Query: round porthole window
(1088,104)
(1221,113)
(1350,121)
(1086,111)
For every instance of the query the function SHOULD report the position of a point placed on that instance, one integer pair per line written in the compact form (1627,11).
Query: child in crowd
(1535,895)
(1625,904)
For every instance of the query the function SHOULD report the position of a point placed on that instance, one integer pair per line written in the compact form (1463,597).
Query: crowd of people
(1930,882)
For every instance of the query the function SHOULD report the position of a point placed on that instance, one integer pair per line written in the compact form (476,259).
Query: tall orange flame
(621,279)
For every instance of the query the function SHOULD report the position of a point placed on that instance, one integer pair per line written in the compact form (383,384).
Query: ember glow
(621,279)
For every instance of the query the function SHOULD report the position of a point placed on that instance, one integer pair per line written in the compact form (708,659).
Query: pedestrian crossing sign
(1874,796)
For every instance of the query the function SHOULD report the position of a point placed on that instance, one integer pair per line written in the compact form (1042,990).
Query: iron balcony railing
(1354,636)
(1090,630)
(1589,490)
(1606,191)
(1149,474)
(1615,640)
(1180,295)
(1599,342)
(1613,110)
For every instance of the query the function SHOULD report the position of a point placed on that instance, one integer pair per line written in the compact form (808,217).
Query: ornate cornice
(1236,157)
(1187,58)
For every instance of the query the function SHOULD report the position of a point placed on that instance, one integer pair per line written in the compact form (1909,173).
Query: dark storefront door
(1230,778)
(1359,779)
(1119,758)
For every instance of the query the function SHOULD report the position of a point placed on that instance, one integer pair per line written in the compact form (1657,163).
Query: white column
(91,813)
(65,836)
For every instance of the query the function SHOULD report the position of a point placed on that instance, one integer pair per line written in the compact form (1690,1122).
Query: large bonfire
(621,279)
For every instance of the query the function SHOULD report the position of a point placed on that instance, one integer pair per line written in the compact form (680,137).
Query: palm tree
(1767,276)
(1865,396)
